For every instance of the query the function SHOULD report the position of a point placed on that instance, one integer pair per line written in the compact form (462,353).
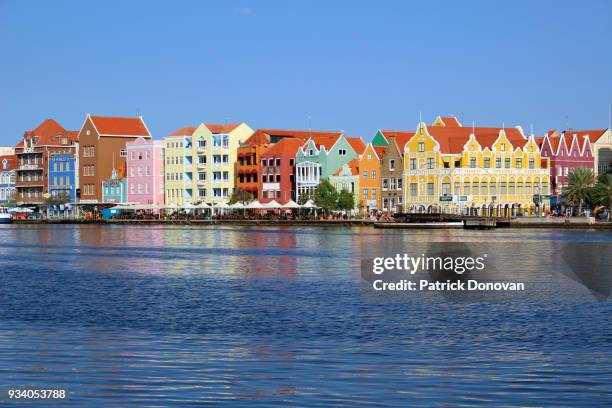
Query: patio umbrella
(309,204)
(254,205)
(237,205)
(271,204)
(220,206)
(291,204)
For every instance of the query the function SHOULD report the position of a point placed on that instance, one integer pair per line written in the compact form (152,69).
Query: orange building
(369,177)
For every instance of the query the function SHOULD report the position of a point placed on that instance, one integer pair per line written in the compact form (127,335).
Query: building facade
(7,178)
(114,189)
(392,178)
(63,175)
(369,177)
(277,166)
(319,158)
(33,153)
(102,149)
(145,171)
(480,171)
(565,152)
(601,146)
(200,167)
(347,178)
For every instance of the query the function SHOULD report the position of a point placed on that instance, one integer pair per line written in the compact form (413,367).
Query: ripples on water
(276,316)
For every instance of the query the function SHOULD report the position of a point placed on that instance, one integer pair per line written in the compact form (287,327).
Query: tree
(326,196)
(241,196)
(57,199)
(579,187)
(304,197)
(346,200)
(602,192)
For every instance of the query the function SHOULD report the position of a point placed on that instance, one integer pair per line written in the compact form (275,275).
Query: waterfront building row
(444,166)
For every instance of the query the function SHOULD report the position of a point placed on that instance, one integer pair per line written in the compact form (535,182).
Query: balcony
(30,166)
(201,165)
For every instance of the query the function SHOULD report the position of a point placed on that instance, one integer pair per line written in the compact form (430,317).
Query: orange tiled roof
(224,128)
(184,131)
(450,121)
(357,144)
(353,165)
(11,162)
(287,146)
(48,133)
(401,137)
(325,140)
(380,150)
(452,140)
(263,136)
(116,126)
(593,135)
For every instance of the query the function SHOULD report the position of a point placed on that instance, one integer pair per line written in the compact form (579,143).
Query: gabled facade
(102,150)
(33,153)
(319,158)
(114,189)
(369,177)
(391,177)
(601,146)
(477,170)
(277,165)
(145,171)
(566,152)
(201,161)
(347,178)
(7,178)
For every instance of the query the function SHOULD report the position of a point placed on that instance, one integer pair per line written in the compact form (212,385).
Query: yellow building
(200,162)
(474,170)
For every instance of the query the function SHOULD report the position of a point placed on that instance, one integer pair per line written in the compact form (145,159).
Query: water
(170,315)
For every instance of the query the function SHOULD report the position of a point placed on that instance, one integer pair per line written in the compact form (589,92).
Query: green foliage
(579,187)
(326,196)
(346,201)
(602,192)
(241,196)
(61,198)
(304,197)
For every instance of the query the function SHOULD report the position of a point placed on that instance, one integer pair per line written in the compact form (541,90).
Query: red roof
(325,140)
(49,133)
(217,128)
(353,165)
(401,138)
(452,139)
(184,131)
(380,150)
(11,162)
(115,126)
(450,121)
(593,135)
(357,144)
(264,136)
(287,146)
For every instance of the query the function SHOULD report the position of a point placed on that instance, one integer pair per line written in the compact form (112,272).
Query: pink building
(566,152)
(145,171)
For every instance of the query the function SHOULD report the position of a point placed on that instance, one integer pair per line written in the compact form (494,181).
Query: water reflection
(276,316)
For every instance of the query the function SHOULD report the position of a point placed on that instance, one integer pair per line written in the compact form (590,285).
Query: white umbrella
(237,205)
(203,205)
(272,204)
(254,205)
(172,206)
(188,206)
(290,204)
(309,204)
(221,205)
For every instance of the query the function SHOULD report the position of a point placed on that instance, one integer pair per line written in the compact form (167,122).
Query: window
(519,188)
(131,155)
(140,171)
(421,146)
(430,189)
(472,162)
(493,188)
(430,163)
(457,188)
(147,170)
(466,188)
(413,189)
(369,157)
(399,183)
(365,193)
(373,194)
(413,164)
(532,165)
(483,188)
(446,188)
(475,188)
(518,163)
(507,162)
(392,183)
(487,163)
(365,174)
(502,188)
(392,164)
(511,188)
(373,174)
(385,184)
(498,163)
(342,152)
(503,147)
(201,145)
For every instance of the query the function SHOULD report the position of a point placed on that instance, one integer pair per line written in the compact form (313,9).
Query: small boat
(5,216)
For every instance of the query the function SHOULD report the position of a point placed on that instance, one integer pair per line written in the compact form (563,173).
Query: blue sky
(354,66)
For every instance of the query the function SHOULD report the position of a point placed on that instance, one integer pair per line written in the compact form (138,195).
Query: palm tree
(602,192)
(579,187)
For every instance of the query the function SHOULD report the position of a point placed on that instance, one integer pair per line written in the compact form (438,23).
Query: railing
(478,171)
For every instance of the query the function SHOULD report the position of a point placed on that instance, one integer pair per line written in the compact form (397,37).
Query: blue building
(62,175)
(7,178)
